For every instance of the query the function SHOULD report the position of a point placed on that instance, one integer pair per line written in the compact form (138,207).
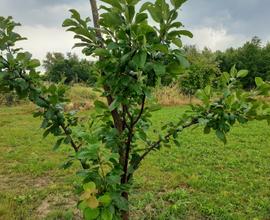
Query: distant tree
(203,70)
(251,56)
(266,62)
(226,59)
(70,69)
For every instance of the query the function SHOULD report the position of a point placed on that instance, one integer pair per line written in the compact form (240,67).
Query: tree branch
(130,136)
(72,142)
(116,116)
(141,111)
(158,142)
(127,152)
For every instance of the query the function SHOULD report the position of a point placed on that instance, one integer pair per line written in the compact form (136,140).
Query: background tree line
(205,66)
(68,69)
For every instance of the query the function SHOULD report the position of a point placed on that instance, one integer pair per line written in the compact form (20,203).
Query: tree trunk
(95,15)
(116,117)
(125,214)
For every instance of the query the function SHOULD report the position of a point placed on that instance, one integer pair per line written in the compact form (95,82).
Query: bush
(203,71)
(9,99)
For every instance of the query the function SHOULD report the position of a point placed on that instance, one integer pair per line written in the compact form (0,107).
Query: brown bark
(118,123)
(116,117)
(125,214)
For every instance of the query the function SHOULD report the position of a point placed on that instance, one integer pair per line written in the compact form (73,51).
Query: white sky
(217,24)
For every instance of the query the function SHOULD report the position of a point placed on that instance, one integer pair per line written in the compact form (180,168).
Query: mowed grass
(202,179)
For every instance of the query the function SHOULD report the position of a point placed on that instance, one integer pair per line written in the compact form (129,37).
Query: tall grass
(172,96)
(81,97)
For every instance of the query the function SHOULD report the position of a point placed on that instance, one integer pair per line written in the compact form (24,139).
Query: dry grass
(81,97)
(171,96)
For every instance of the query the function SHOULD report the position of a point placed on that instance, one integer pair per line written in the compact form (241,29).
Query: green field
(202,179)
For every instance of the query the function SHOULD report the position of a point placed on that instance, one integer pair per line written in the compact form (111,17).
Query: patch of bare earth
(20,182)
(57,202)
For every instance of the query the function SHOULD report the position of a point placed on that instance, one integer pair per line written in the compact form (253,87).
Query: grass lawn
(202,179)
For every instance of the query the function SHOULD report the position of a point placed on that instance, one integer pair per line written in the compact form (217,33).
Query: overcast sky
(217,24)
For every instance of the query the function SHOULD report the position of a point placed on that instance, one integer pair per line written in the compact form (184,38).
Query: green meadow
(201,179)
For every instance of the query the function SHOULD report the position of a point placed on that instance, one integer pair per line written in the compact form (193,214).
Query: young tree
(133,55)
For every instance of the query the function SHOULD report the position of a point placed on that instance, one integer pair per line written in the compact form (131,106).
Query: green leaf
(106,214)
(67,140)
(176,25)
(177,42)
(111,20)
(140,59)
(75,14)
(113,105)
(105,199)
(200,94)
(160,47)
(91,214)
(145,6)
(186,33)
(126,57)
(221,135)
(90,185)
(101,52)
(155,13)
(140,17)
(132,2)
(34,63)
(177,3)
(259,81)
(58,143)
(114,3)
(120,202)
(174,68)
(233,71)
(82,205)
(159,69)
(225,77)
(242,73)
(46,133)
(208,90)
(130,12)
(69,22)
(183,61)
(100,105)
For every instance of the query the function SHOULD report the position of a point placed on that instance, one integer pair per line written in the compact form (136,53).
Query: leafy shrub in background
(133,56)
(203,71)
(68,69)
